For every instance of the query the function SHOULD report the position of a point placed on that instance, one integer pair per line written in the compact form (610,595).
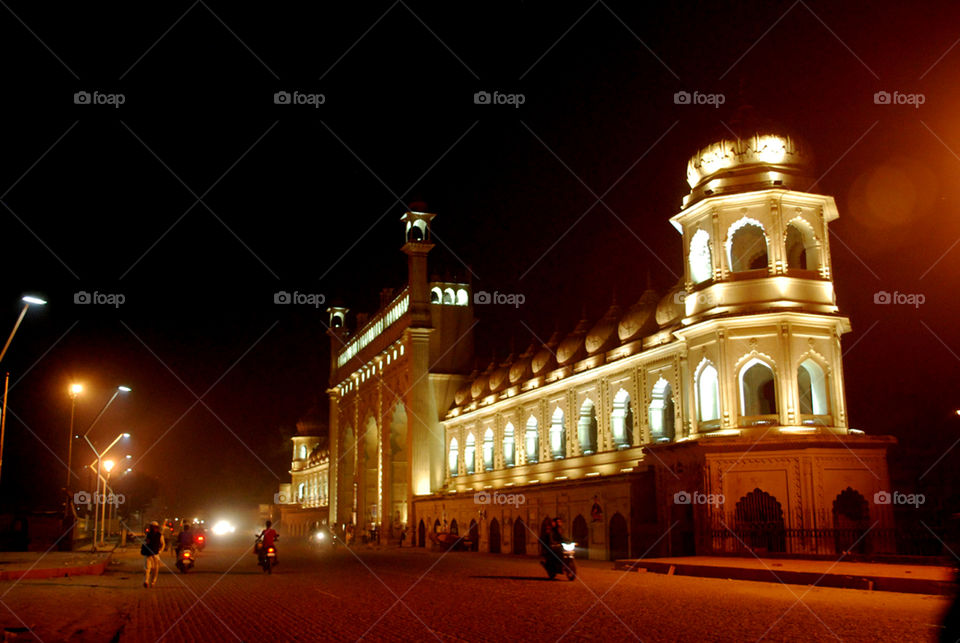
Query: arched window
(454,457)
(747,246)
(436,295)
(662,412)
(708,394)
(757,389)
(462,297)
(621,420)
(470,454)
(801,247)
(509,446)
(303,452)
(448,296)
(532,440)
(301,491)
(701,261)
(813,389)
(558,435)
(488,450)
(587,428)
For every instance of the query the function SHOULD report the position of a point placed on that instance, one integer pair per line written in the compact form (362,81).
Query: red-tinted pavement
(459,596)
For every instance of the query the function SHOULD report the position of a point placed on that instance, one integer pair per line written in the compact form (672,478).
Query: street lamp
(108,467)
(101,464)
(75,390)
(27,300)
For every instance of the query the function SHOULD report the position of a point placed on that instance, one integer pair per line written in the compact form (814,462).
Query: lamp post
(108,467)
(100,464)
(3,413)
(75,390)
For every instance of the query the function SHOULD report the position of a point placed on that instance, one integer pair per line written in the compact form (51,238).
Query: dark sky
(198,198)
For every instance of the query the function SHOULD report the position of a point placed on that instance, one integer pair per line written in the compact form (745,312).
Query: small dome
(521,369)
(545,357)
(463,393)
(571,348)
(499,378)
(640,319)
(603,335)
(670,309)
(479,388)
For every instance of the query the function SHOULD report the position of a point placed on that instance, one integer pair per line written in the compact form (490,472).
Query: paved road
(416,595)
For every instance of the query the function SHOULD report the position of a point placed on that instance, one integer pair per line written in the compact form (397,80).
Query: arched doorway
(494,536)
(519,537)
(581,536)
(619,537)
(474,536)
(454,527)
(759,522)
(851,520)
(421,535)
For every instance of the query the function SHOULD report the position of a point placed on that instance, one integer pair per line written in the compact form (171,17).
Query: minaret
(416,247)
(337,330)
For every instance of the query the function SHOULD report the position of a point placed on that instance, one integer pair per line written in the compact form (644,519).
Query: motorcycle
(560,559)
(266,556)
(185,559)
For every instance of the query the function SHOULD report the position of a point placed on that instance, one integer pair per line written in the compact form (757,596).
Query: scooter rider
(268,538)
(185,539)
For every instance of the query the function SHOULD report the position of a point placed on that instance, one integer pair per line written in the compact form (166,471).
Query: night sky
(198,198)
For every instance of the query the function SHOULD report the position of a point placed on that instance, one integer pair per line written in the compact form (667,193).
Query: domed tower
(759,310)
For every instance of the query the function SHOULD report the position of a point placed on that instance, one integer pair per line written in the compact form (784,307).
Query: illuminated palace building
(711,418)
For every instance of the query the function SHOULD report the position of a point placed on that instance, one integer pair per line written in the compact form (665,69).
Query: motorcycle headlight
(569,546)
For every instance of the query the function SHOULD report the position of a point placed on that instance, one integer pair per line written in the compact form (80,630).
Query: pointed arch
(708,391)
(662,412)
(747,247)
(587,428)
(488,450)
(453,455)
(758,389)
(470,454)
(700,258)
(801,247)
(558,435)
(532,440)
(812,384)
(494,536)
(509,445)
(621,420)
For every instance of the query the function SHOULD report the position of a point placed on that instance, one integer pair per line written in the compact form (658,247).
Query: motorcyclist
(184,539)
(268,538)
(553,556)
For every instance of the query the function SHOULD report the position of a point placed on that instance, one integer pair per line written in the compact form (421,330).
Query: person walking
(150,550)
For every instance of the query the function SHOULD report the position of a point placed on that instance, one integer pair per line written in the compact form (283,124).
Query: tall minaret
(337,330)
(418,244)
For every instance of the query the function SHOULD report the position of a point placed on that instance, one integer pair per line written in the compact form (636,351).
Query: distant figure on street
(150,550)
(268,537)
(185,539)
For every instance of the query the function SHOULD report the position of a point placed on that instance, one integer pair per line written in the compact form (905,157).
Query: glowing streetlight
(27,301)
(108,465)
(75,390)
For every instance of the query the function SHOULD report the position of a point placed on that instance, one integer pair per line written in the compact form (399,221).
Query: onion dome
(499,379)
(760,159)
(670,309)
(521,369)
(479,387)
(545,358)
(571,348)
(463,393)
(640,319)
(603,335)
